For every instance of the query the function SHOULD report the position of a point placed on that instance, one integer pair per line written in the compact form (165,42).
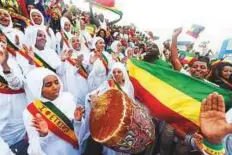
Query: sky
(163,16)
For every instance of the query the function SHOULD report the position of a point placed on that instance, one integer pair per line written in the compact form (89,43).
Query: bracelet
(213,149)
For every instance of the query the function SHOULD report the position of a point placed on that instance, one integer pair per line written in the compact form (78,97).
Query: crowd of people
(66,59)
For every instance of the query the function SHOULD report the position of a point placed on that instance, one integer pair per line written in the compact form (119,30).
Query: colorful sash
(37,60)
(114,84)
(57,121)
(86,42)
(213,149)
(81,69)
(105,63)
(4,88)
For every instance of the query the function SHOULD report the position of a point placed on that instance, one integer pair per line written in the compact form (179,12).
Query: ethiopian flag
(186,57)
(170,95)
(108,5)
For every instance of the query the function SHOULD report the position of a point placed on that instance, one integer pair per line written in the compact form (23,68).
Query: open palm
(41,125)
(213,122)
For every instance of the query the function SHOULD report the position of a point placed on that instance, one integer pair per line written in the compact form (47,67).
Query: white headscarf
(37,11)
(9,28)
(10,32)
(34,36)
(114,46)
(63,20)
(128,87)
(126,52)
(35,79)
(95,40)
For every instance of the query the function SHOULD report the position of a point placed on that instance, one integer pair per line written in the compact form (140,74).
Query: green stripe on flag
(192,87)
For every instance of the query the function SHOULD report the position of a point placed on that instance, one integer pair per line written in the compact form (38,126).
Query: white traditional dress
(12,103)
(75,79)
(11,33)
(100,68)
(51,143)
(29,31)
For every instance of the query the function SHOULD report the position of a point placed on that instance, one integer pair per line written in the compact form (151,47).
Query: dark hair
(202,59)
(98,33)
(217,72)
(152,55)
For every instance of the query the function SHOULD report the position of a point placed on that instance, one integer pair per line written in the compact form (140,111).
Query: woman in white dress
(60,113)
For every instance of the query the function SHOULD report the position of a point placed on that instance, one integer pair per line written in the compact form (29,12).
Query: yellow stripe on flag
(166,94)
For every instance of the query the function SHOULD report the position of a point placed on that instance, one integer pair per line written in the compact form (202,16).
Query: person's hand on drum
(93,98)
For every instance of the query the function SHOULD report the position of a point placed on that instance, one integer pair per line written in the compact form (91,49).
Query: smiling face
(67,26)
(199,69)
(226,72)
(51,87)
(76,44)
(100,45)
(40,40)
(4,18)
(118,75)
(36,17)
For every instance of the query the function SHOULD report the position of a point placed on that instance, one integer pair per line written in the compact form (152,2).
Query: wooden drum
(120,124)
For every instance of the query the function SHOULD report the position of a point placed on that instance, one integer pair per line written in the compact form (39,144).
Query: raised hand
(66,54)
(79,60)
(79,112)
(17,40)
(177,32)
(30,53)
(3,56)
(213,124)
(41,125)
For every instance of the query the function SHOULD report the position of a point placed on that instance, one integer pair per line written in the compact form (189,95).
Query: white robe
(98,72)
(52,144)
(74,82)
(51,39)
(12,128)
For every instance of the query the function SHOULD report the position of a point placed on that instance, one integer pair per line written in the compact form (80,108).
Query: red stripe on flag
(162,112)
(107,3)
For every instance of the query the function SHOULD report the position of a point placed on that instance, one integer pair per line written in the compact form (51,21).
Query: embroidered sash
(57,121)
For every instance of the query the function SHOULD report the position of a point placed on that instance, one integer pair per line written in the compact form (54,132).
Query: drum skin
(120,124)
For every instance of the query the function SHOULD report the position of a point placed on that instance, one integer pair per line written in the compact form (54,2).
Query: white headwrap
(35,79)
(114,46)
(9,28)
(34,36)
(128,87)
(95,40)
(126,52)
(63,20)
(37,11)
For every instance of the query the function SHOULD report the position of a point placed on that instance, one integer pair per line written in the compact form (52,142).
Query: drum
(120,124)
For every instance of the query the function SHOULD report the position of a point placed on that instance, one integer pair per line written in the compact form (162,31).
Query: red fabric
(107,3)
(23,7)
(157,109)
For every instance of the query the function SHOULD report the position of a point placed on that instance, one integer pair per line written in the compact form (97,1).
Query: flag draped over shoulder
(108,5)
(195,30)
(171,96)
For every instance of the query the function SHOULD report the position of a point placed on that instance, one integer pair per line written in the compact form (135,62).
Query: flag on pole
(108,5)
(170,95)
(195,30)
